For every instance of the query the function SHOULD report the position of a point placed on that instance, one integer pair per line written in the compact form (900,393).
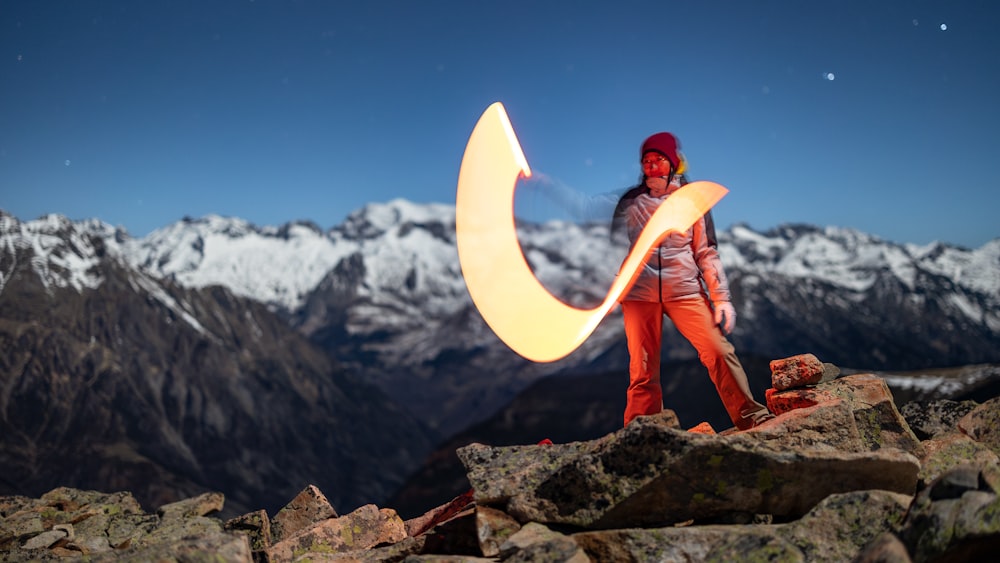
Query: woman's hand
(725,316)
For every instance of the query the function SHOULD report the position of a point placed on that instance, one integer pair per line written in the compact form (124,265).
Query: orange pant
(694,319)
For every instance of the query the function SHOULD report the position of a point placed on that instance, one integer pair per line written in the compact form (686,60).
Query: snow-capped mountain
(281,266)
(383,293)
(112,377)
(855,261)
(277,266)
(861,301)
(61,253)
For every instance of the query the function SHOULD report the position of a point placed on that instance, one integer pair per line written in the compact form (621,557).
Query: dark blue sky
(881,116)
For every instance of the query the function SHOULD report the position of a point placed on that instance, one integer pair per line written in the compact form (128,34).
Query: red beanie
(665,144)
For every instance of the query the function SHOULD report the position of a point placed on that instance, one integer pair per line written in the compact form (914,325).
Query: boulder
(950,450)
(45,540)
(800,371)
(650,474)
(308,508)
(875,413)
(928,418)
(887,548)
(255,525)
(982,424)
(837,529)
(843,525)
(829,425)
(72,523)
(687,543)
(232,548)
(201,505)
(535,542)
(362,529)
(493,528)
(956,517)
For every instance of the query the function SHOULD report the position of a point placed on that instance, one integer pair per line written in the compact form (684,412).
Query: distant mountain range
(383,293)
(292,338)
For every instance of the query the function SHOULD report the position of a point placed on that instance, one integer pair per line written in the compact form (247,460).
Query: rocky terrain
(840,474)
(573,408)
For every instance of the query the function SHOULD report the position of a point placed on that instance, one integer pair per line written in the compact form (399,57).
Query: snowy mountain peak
(854,260)
(977,269)
(63,252)
(294,230)
(374,219)
(231,226)
(274,265)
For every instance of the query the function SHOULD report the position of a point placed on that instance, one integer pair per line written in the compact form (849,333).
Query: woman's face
(655,165)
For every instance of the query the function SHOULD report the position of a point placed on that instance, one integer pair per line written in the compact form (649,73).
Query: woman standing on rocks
(683,279)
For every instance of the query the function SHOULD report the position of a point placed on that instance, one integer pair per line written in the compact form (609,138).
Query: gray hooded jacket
(683,265)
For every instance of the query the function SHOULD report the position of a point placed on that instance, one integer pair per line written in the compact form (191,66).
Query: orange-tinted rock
(308,508)
(703,428)
(796,371)
(879,422)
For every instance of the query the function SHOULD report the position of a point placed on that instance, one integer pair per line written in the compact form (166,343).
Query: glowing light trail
(515,305)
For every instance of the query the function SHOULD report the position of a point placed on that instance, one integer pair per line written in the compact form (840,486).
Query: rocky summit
(840,474)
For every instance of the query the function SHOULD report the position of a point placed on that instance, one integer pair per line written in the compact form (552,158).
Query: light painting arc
(516,306)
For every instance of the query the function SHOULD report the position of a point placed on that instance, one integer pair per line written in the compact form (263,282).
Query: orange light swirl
(515,305)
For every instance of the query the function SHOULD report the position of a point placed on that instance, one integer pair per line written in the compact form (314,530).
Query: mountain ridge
(383,294)
(740,245)
(140,383)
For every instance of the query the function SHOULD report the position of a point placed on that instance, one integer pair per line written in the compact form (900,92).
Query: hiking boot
(760,417)
(755,418)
